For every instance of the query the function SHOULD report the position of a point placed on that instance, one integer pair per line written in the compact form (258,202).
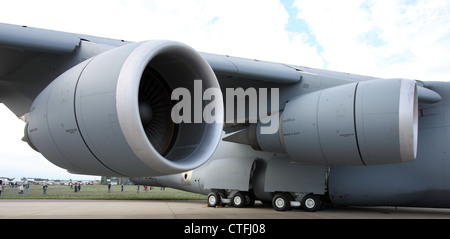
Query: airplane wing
(21,45)
(92,102)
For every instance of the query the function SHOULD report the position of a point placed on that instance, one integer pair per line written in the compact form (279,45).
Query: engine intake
(111,114)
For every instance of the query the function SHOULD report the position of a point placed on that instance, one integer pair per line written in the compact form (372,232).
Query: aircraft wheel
(239,200)
(311,203)
(213,199)
(249,199)
(281,202)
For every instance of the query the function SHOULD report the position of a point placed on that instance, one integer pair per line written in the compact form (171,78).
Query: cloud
(409,39)
(251,28)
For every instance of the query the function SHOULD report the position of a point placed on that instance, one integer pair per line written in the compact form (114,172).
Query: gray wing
(31,58)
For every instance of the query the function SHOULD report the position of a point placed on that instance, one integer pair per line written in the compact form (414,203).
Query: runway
(193,209)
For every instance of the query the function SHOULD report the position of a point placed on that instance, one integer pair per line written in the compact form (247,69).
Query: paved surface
(185,209)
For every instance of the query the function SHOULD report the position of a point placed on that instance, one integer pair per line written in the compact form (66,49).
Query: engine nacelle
(111,114)
(365,123)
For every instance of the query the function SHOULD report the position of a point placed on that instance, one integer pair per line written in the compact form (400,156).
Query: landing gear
(281,201)
(235,199)
(284,201)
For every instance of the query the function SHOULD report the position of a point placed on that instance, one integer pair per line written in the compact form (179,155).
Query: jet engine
(111,114)
(364,123)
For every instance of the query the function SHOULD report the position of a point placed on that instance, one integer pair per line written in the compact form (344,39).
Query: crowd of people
(76,187)
(23,187)
(147,187)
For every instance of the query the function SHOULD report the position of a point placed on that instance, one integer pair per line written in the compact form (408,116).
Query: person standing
(44,188)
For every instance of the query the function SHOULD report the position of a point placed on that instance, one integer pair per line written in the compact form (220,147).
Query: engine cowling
(365,123)
(111,114)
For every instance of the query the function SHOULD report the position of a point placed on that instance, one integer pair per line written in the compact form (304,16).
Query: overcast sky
(384,38)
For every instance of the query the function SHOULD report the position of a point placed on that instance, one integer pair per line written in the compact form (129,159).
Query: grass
(100,192)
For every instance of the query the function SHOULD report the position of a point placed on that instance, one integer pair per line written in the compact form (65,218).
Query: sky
(380,38)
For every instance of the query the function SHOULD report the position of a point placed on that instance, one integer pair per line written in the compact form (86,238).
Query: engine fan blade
(155,107)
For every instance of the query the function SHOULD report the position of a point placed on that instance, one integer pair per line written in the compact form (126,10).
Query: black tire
(281,202)
(250,199)
(311,203)
(213,199)
(239,200)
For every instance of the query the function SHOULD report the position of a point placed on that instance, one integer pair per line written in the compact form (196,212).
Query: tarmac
(193,209)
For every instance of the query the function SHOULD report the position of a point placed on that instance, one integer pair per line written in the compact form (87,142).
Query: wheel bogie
(238,199)
(284,201)
(281,201)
